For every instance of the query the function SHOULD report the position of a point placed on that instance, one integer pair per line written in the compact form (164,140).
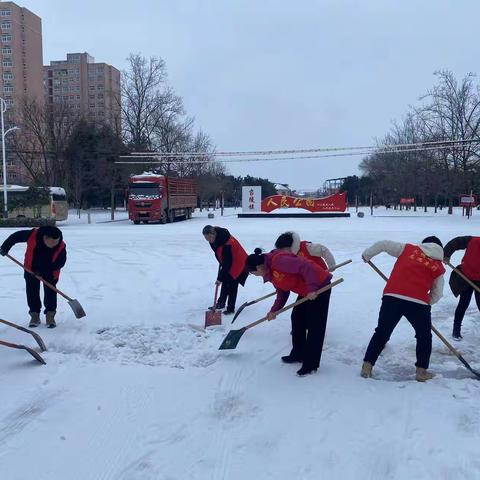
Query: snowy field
(137,390)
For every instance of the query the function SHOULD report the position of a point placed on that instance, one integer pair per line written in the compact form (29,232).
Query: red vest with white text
(413,274)
(292,282)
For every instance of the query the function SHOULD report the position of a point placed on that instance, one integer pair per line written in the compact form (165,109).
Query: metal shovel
(74,304)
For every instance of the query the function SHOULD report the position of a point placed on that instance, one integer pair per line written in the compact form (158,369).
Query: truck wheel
(171,216)
(189,213)
(136,222)
(163,219)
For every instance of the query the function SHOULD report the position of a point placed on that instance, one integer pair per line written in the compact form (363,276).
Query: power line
(450,143)
(276,159)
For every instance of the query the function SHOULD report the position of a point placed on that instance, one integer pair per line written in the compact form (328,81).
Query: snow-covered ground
(137,390)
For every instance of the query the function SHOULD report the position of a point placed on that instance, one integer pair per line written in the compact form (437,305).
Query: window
(100,87)
(7,63)
(92,87)
(6,26)
(78,97)
(8,76)
(6,38)
(6,50)
(8,88)
(91,96)
(5,12)
(9,101)
(100,95)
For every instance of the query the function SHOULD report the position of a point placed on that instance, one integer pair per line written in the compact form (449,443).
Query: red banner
(407,201)
(332,203)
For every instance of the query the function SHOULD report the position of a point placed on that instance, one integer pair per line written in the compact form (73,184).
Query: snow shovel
(74,304)
(233,337)
(35,335)
(435,331)
(253,302)
(213,316)
(32,352)
(462,275)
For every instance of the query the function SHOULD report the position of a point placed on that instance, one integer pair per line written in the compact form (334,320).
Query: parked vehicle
(157,198)
(56,208)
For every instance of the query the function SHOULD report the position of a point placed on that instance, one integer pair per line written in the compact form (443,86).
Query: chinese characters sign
(332,203)
(251,199)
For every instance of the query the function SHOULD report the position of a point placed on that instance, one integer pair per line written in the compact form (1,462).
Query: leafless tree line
(450,111)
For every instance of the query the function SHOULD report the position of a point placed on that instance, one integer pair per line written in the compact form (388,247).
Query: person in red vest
(318,253)
(231,258)
(416,283)
(291,273)
(470,267)
(46,255)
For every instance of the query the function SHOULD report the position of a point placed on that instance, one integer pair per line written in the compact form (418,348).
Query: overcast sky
(264,74)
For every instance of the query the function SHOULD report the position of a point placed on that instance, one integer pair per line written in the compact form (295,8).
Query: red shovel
(213,316)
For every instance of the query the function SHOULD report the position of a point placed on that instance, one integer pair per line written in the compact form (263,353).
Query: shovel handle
(298,302)
(346,262)
(462,275)
(38,277)
(215,296)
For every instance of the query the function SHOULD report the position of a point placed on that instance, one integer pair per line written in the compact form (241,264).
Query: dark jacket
(42,255)
(223,235)
(456,282)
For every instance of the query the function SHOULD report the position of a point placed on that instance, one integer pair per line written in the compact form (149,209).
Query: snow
(138,390)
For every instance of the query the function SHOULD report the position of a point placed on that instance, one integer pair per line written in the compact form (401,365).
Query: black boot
(306,371)
(456,333)
(291,359)
(229,311)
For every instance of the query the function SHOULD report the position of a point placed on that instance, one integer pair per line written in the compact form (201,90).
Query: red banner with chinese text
(332,203)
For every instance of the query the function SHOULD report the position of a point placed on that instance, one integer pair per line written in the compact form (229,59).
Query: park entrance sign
(333,203)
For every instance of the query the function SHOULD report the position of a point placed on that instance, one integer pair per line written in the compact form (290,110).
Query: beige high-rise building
(90,89)
(21,65)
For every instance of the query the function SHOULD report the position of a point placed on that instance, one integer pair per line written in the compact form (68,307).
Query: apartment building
(91,90)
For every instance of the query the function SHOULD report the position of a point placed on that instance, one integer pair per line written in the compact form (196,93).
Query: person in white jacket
(316,252)
(416,283)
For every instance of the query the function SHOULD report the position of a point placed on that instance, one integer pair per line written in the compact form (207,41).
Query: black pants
(33,294)
(228,293)
(391,311)
(309,322)
(463,303)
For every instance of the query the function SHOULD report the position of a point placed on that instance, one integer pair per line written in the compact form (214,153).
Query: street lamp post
(3,109)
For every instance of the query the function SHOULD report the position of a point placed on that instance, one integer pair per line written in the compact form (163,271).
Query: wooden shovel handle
(298,302)
(38,277)
(462,275)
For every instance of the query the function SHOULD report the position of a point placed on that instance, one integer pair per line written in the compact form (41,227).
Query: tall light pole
(3,109)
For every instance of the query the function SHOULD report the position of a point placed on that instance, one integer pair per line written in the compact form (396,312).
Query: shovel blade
(35,355)
(213,318)
(231,340)
(77,308)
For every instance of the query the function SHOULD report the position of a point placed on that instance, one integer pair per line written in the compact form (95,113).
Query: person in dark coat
(231,258)
(45,255)
(470,267)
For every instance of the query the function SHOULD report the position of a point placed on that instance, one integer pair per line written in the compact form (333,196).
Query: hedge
(26,222)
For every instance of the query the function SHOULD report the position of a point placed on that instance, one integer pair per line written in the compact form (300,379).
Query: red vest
(303,252)
(32,243)
(239,256)
(413,274)
(293,282)
(471,259)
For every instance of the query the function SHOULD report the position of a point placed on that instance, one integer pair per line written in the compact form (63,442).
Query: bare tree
(45,131)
